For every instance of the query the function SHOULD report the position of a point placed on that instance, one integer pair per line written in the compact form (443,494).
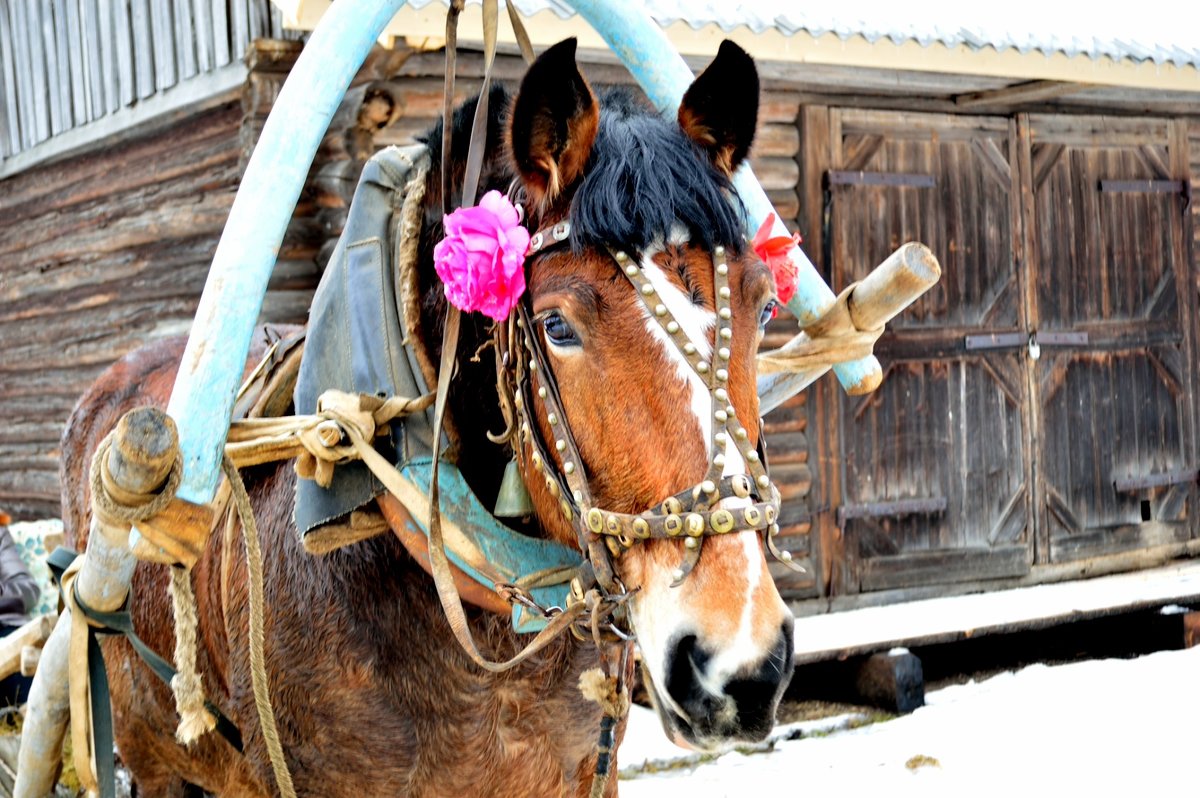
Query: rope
(319,441)
(833,338)
(118,505)
(258,668)
(194,718)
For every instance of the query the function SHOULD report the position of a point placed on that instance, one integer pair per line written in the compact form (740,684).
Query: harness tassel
(604,745)
(609,692)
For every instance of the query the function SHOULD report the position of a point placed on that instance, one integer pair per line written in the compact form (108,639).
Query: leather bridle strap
(690,515)
(456,7)
(443,577)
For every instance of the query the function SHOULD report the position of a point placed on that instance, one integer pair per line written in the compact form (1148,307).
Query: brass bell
(513,500)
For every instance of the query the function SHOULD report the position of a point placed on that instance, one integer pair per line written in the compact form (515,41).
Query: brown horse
(372,693)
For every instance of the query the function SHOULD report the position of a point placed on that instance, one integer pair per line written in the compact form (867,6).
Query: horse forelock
(643,178)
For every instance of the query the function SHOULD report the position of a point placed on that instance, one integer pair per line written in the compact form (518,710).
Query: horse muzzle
(704,711)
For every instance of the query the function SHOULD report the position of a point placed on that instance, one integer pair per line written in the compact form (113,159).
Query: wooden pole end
(143,450)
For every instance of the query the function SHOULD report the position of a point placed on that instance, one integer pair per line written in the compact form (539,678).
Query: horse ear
(554,123)
(720,109)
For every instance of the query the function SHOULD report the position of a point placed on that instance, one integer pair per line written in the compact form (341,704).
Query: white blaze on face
(659,613)
(697,324)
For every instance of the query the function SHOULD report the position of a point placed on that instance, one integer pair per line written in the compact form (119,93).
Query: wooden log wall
(98,255)
(64,63)
(108,250)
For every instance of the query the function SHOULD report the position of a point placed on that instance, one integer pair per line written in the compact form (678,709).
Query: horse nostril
(686,667)
(757,695)
(744,707)
(682,685)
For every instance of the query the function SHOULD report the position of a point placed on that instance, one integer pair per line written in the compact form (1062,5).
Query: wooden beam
(33,633)
(893,681)
(841,634)
(197,94)
(1018,93)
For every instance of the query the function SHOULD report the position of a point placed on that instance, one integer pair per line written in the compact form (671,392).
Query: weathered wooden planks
(1070,226)
(99,255)
(108,251)
(1121,407)
(945,429)
(65,63)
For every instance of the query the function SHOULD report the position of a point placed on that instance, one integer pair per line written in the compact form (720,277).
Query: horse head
(644,313)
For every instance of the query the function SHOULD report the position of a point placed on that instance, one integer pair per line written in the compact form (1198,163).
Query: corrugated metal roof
(1162,32)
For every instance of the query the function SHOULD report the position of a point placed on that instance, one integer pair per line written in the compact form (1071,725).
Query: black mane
(644,176)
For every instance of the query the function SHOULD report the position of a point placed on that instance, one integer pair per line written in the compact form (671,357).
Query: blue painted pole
(649,55)
(202,399)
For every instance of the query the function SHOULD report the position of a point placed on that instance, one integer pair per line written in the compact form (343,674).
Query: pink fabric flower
(776,253)
(481,261)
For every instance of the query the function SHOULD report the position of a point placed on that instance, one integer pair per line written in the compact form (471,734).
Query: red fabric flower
(481,261)
(776,253)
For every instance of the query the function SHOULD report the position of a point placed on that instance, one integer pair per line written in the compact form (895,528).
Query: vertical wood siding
(65,63)
(977,460)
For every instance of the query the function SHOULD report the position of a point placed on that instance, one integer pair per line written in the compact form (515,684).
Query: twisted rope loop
(833,338)
(322,440)
(118,507)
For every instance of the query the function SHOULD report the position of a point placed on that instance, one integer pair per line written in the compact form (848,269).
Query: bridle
(691,515)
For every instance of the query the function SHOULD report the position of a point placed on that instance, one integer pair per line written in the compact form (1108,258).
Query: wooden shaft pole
(891,287)
(143,449)
(33,633)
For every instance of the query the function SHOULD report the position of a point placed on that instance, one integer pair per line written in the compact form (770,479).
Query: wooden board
(1116,399)
(938,620)
(942,441)
(997,456)
(65,63)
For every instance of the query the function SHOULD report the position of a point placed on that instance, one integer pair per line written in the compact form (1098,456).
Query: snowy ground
(1100,727)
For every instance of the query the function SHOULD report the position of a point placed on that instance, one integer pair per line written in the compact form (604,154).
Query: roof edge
(424,27)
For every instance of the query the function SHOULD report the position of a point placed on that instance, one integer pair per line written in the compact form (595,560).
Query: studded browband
(691,514)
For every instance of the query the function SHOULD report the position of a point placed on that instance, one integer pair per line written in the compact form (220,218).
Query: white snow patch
(1100,727)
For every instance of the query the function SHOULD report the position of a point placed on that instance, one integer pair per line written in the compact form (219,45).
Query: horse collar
(690,515)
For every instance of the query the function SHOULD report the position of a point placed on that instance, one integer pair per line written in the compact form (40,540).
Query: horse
(371,690)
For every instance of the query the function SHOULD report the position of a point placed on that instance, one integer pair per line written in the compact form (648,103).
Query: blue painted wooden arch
(203,395)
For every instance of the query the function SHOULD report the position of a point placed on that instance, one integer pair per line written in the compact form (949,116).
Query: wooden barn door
(934,467)
(1114,379)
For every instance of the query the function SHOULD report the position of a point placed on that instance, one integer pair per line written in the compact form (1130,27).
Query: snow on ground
(1102,727)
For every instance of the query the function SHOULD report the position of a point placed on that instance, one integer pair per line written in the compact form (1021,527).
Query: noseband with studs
(690,515)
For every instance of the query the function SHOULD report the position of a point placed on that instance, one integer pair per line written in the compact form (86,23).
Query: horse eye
(768,312)
(558,331)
